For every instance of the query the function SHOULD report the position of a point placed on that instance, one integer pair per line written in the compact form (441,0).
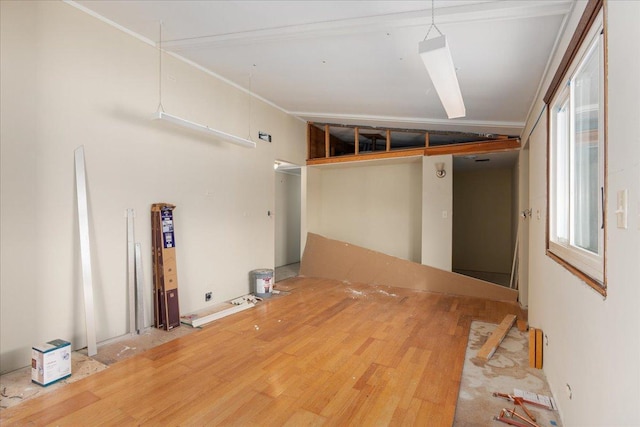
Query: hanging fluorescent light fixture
(437,59)
(223,136)
(161,115)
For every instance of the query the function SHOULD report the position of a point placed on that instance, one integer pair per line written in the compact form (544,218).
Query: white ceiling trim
(484,12)
(110,22)
(411,120)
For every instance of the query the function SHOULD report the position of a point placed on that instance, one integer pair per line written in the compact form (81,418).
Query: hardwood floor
(327,354)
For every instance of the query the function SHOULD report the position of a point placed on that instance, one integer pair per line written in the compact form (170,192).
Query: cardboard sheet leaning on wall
(333,259)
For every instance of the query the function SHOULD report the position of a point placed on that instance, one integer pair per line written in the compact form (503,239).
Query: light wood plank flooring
(329,353)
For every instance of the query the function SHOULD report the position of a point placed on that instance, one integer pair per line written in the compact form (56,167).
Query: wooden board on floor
(333,259)
(532,347)
(539,348)
(496,337)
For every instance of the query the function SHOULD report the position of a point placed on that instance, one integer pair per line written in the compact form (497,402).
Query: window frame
(591,30)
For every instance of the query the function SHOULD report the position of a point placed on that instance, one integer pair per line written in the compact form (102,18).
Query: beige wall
(437,212)
(376,205)
(523,224)
(68,79)
(482,224)
(594,343)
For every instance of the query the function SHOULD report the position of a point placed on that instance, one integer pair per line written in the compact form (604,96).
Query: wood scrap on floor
(535,348)
(532,347)
(538,348)
(523,325)
(496,337)
(507,372)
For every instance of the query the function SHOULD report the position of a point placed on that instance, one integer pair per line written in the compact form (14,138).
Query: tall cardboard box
(50,362)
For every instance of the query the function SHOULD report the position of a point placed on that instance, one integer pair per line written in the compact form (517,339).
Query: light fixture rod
(160,108)
(223,136)
(433,21)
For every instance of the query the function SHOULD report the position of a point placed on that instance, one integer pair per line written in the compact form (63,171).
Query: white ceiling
(357,62)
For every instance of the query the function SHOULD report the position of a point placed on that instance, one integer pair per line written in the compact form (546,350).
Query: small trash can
(262,282)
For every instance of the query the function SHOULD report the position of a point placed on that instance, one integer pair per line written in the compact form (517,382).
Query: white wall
(437,212)
(376,205)
(594,343)
(287,218)
(523,224)
(68,79)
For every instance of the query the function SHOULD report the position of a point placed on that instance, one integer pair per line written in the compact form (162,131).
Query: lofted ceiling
(357,62)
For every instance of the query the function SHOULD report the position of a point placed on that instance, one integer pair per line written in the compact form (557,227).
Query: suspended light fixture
(437,59)
(161,115)
(223,136)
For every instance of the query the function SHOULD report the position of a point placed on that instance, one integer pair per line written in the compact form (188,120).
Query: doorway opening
(288,193)
(485,203)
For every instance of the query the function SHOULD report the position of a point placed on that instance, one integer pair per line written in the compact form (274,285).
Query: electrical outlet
(207,296)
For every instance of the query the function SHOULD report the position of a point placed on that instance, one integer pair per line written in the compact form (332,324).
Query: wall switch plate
(621,208)
(264,136)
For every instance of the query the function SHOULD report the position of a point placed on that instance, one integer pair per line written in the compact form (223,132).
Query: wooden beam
(327,141)
(413,152)
(388,139)
(496,337)
(480,147)
(309,124)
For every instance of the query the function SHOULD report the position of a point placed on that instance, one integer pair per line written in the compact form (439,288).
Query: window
(577,161)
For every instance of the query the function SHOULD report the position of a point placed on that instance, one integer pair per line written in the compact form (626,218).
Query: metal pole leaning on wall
(140,314)
(85,250)
(131,271)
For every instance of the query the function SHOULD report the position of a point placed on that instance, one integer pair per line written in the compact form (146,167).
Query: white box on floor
(50,362)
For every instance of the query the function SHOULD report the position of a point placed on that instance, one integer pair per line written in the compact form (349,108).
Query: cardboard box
(50,362)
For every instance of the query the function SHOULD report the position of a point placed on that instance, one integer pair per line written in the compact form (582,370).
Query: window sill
(596,285)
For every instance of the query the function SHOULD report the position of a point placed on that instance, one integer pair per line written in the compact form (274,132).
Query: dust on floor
(507,370)
(16,386)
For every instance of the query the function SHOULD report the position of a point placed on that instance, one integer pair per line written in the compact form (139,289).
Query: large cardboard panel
(333,259)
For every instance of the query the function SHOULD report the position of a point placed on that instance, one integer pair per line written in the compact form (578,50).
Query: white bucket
(262,282)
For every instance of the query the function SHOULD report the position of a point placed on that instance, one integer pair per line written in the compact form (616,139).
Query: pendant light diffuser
(223,136)
(437,59)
